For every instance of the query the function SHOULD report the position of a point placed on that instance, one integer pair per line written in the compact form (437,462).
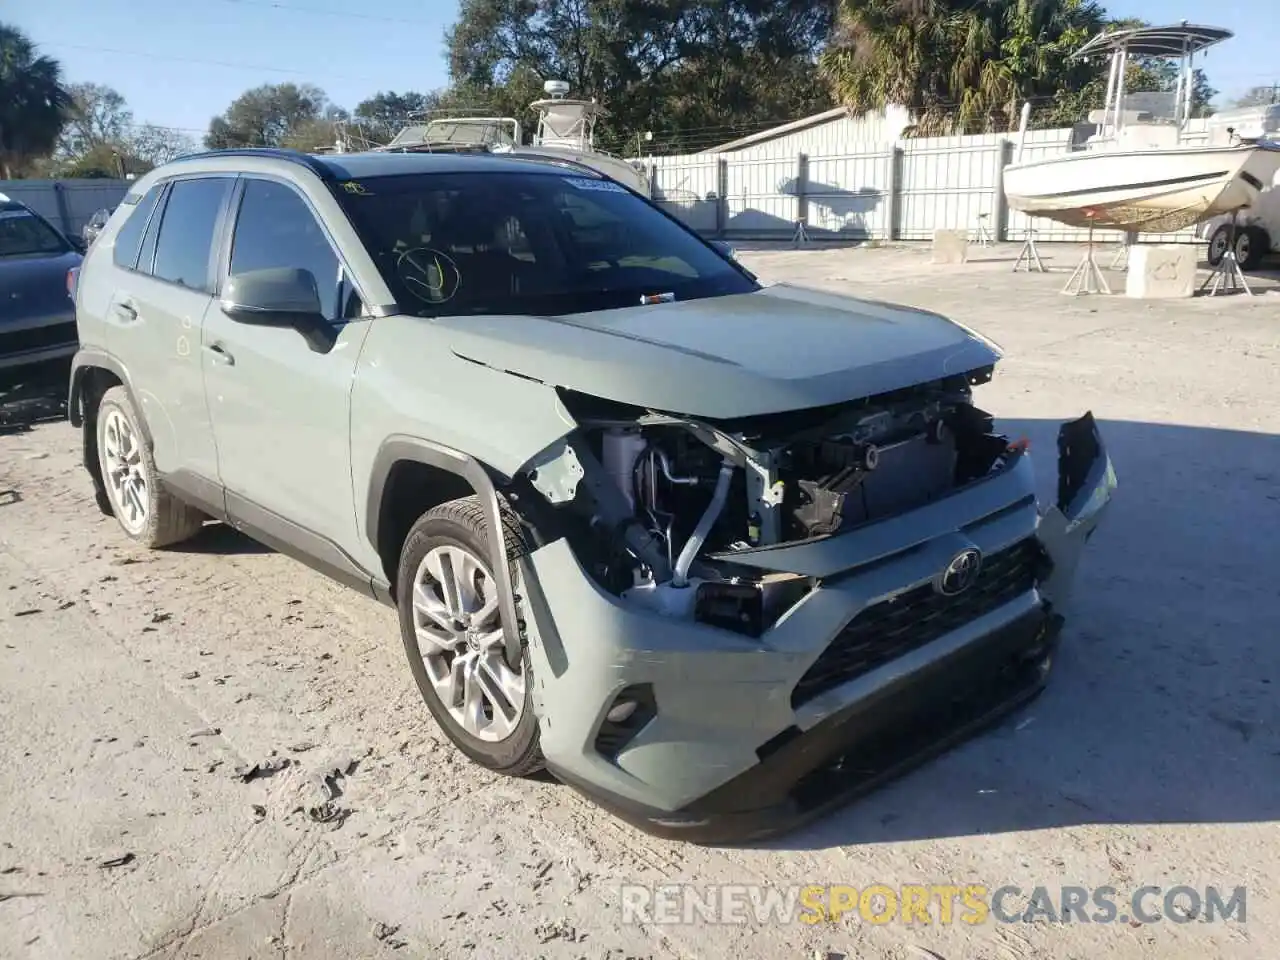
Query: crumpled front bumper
(720,748)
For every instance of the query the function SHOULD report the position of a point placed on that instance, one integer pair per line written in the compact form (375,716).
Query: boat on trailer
(565,135)
(1135,168)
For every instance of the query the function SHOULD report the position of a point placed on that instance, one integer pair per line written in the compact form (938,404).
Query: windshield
(22,233)
(515,243)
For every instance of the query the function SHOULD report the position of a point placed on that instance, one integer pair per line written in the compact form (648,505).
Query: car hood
(776,349)
(35,286)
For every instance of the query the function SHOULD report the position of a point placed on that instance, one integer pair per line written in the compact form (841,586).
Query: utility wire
(141,55)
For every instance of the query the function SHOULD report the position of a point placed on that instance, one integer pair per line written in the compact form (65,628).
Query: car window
(129,236)
(518,242)
(22,233)
(276,228)
(185,241)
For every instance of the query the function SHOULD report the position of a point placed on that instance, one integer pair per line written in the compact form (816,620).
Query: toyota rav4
(718,553)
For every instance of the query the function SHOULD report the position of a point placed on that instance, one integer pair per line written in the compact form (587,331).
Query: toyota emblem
(960,573)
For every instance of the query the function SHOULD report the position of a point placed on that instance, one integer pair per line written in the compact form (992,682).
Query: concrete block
(950,246)
(1161,271)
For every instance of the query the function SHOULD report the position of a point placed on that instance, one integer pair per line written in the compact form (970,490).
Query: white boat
(565,135)
(1137,170)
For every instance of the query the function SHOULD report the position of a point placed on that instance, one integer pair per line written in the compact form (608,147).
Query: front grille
(892,628)
(37,338)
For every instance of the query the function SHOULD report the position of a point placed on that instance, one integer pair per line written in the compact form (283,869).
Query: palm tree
(958,65)
(33,102)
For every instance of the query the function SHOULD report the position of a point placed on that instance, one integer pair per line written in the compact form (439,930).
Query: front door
(280,409)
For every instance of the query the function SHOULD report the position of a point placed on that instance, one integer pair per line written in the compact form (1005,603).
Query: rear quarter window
(129,236)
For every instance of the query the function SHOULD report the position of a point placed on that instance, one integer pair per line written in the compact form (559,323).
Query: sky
(179,63)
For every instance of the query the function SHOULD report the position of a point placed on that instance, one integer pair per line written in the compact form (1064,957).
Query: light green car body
(308,450)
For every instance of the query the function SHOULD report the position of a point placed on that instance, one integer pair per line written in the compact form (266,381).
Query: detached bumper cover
(732,746)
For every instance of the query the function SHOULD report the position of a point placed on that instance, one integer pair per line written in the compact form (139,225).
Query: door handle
(125,312)
(218,355)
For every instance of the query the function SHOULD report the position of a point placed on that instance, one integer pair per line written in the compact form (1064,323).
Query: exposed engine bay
(658,506)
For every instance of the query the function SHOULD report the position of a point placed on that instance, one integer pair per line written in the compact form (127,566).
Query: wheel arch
(93,373)
(412,475)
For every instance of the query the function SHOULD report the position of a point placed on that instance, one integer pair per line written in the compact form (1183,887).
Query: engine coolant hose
(680,575)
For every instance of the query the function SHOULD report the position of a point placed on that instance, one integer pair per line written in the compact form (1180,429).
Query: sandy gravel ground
(133,684)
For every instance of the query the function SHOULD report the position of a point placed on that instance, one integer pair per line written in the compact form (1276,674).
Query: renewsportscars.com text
(924,904)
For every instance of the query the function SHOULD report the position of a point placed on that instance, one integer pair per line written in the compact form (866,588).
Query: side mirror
(726,249)
(279,297)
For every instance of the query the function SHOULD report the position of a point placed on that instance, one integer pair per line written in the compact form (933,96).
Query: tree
(267,116)
(101,139)
(98,115)
(958,66)
(152,145)
(1258,97)
(968,67)
(33,103)
(674,66)
(383,115)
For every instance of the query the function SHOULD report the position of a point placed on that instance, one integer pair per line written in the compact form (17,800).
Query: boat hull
(1142,191)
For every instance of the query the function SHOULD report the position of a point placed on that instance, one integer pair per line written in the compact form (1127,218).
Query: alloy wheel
(458,625)
(123,471)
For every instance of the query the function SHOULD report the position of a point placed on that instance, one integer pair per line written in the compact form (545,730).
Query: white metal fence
(884,191)
(67,204)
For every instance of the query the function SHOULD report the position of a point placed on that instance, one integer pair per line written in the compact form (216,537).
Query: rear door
(155,313)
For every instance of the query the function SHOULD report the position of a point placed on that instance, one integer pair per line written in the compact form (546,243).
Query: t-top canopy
(1171,41)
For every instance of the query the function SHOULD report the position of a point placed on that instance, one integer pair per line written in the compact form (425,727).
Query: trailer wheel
(1218,241)
(1252,245)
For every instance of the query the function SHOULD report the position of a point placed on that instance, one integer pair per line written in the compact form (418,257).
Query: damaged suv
(719,554)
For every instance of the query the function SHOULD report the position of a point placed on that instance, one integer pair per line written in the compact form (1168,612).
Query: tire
(145,510)
(1252,244)
(1218,241)
(501,733)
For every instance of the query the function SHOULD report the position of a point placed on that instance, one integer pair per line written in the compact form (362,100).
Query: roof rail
(312,163)
(576,165)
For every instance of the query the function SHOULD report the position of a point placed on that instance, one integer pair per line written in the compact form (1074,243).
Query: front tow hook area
(1086,484)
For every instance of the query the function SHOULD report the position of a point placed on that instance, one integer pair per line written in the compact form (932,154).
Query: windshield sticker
(429,275)
(600,186)
(356,189)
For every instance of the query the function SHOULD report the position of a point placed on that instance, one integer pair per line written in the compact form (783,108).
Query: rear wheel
(451,623)
(147,513)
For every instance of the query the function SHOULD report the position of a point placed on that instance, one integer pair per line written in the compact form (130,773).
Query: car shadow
(216,537)
(1163,705)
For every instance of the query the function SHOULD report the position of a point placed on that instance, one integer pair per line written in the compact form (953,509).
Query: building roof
(772,133)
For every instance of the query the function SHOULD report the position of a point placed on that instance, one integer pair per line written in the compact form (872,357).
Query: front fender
(1086,484)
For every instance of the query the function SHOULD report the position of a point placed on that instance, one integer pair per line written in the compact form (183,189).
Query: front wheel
(451,623)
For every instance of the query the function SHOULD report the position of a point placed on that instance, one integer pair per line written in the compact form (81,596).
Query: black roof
(1170,41)
(357,166)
